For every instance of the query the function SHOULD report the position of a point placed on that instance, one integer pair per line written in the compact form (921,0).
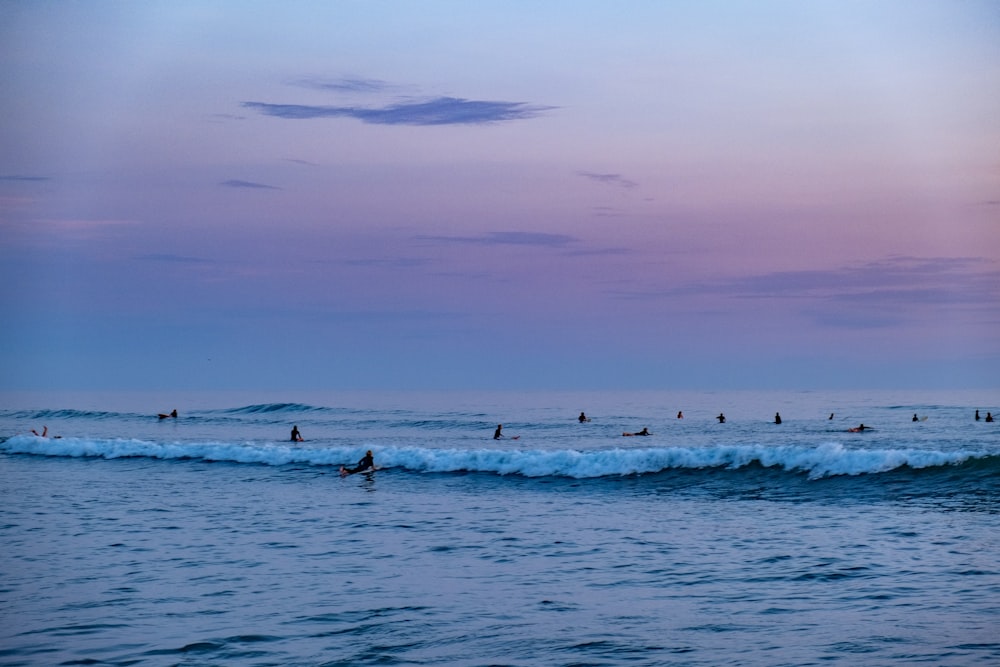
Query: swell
(824,461)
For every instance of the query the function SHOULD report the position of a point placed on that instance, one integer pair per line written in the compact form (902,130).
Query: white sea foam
(826,460)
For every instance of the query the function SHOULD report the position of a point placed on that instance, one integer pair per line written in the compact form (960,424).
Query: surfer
(777,417)
(173,414)
(915,418)
(860,428)
(497,433)
(43,434)
(989,416)
(583,418)
(721,418)
(296,436)
(644,431)
(680,415)
(977,415)
(366,462)
(830,417)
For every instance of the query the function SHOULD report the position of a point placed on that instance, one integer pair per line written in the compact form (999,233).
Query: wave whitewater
(827,460)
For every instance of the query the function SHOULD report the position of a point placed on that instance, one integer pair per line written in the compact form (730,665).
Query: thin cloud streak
(344,85)
(609,179)
(539,239)
(236,183)
(438,111)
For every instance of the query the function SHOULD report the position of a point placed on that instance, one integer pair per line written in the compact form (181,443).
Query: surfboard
(344,472)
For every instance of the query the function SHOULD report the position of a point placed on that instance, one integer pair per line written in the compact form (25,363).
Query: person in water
(43,434)
(977,415)
(915,419)
(989,416)
(680,415)
(296,436)
(583,418)
(497,434)
(173,414)
(860,428)
(721,418)
(366,462)
(777,417)
(830,417)
(644,431)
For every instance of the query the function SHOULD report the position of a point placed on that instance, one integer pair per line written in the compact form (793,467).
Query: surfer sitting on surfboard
(296,436)
(366,462)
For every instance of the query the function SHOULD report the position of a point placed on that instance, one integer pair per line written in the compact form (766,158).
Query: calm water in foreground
(211,540)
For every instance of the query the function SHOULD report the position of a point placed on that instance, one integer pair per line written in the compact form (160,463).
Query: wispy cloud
(616,180)
(508,238)
(19,177)
(437,111)
(345,85)
(873,294)
(172,259)
(236,183)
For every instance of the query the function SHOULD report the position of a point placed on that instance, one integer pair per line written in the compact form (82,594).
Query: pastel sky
(451,194)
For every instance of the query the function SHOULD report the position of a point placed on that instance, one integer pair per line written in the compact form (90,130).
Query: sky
(500,195)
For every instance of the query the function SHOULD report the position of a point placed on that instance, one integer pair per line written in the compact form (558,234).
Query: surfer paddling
(172,415)
(367,462)
(860,428)
(498,434)
(644,431)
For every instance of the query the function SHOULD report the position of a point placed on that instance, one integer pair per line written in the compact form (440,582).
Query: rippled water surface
(119,550)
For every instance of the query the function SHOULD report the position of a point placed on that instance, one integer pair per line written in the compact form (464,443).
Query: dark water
(209,540)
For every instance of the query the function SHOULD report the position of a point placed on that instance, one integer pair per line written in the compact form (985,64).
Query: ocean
(211,539)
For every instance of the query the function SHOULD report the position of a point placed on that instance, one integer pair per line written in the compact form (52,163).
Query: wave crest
(828,460)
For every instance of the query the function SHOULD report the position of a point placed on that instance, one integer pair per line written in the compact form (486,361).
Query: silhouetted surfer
(777,417)
(173,413)
(721,418)
(366,462)
(644,431)
(296,436)
(497,434)
(583,418)
(859,429)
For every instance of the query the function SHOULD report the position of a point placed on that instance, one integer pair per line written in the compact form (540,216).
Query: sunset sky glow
(587,195)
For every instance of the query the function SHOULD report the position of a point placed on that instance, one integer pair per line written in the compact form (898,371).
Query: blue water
(211,540)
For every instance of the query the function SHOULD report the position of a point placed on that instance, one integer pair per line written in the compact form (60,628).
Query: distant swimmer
(915,418)
(173,413)
(977,415)
(860,428)
(721,418)
(680,415)
(989,416)
(583,418)
(831,416)
(644,431)
(366,462)
(296,436)
(777,417)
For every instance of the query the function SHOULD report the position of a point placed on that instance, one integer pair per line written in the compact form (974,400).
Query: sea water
(210,539)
